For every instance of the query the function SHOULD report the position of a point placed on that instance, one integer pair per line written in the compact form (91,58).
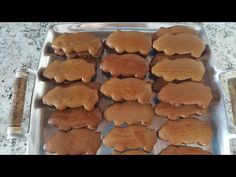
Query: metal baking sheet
(40,131)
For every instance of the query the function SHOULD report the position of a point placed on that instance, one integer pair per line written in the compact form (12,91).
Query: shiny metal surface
(40,131)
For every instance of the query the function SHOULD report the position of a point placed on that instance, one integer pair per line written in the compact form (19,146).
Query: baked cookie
(175,112)
(160,56)
(75,118)
(130,42)
(174,30)
(180,44)
(130,113)
(129,89)
(81,44)
(71,96)
(70,70)
(179,69)
(74,142)
(130,152)
(186,131)
(184,150)
(131,137)
(186,93)
(125,65)
(92,85)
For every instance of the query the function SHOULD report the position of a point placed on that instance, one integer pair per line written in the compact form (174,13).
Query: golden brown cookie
(130,152)
(186,131)
(175,112)
(130,113)
(174,30)
(129,89)
(77,44)
(72,96)
(125,65)
(75,118)
(74,142)
(184,150)
(92,85)
(187,93)
(180,44)
(179,69)
(70,70)
(160,56)
(131,137)
(130,42)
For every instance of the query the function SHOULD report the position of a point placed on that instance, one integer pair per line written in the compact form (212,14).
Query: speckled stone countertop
(22,42)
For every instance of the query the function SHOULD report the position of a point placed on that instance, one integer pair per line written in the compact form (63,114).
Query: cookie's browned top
(74,142)
(70,70)
(180,44)
(76,118)
(78,42)
(187,93)
(125,65)
(72,96)
(160,56)
(186,131)
(175,112)
(130,113)
(129,89)
(183,150)
(131,137)
(174,30)
(130,41)
(179,69)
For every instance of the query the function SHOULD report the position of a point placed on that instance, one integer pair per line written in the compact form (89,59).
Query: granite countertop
(22,42)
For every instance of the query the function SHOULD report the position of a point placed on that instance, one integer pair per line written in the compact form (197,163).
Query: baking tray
(40,131)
